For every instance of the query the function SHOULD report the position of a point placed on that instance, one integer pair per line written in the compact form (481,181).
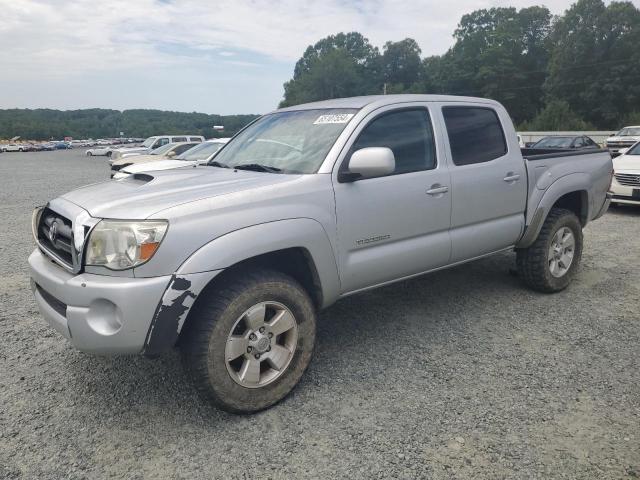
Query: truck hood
(141,195)
(629,163)
(157,165)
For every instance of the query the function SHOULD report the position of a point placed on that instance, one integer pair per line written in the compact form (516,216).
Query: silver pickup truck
(231,261)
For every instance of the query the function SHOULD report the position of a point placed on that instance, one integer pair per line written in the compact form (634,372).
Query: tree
(401,64)
(556,116)
(595,61)
(338,65)
(500,53)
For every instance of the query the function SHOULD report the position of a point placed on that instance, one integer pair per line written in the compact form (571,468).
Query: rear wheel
(89,154)
(249,342)
(550,263)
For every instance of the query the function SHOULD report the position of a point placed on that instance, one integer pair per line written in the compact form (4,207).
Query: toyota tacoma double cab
(231,261)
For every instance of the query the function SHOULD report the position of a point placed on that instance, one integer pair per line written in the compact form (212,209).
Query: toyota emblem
(53,232)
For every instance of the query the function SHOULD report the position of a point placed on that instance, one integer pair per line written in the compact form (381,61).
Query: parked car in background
(307,205)
(625,138)
(154,142)
(167,151)
(626,178)
(62,146)
(15,147)
(200,154)
(99,151)
(569,142)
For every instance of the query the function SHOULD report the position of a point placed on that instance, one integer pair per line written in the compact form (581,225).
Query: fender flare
(234,247)
(227,250)
(566,184)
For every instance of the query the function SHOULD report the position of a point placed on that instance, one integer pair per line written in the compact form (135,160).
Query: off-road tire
(209,324)
(532,262)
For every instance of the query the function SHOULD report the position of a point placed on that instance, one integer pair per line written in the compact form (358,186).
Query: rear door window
(475,134)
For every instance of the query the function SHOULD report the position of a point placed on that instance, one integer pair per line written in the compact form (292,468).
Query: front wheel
(248,343)
(551,262)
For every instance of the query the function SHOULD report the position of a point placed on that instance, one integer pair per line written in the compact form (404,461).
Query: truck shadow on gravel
(437,306)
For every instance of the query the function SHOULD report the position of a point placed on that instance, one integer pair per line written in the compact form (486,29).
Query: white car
(626,176)
(14,147)
(104,151)
(198,155)
(625,138)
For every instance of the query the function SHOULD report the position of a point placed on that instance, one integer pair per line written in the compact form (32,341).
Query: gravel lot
(460,374)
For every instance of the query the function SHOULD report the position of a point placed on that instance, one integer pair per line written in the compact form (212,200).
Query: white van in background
(154,142)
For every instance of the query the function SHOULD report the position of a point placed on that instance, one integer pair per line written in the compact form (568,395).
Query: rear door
(488,180)
(391,227)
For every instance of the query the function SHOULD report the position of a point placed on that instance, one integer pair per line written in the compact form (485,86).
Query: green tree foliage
(595,60)
(339,65)
(499,53)
(557,115)
(42,124)
(401,64)
(582,67)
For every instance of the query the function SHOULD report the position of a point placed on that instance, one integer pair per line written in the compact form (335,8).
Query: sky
(227,56)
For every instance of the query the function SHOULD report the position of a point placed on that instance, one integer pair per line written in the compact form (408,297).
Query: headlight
(122,244)
(35,222)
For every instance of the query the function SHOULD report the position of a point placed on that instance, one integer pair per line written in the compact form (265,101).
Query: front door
(397,225)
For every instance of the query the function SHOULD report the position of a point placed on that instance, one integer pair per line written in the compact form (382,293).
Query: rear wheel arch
(576,202)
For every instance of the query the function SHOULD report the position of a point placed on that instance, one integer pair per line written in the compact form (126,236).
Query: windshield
(201,151)
(635,150)
(629,132)
(554,142)
(292,142)
(148,142)
(163,149)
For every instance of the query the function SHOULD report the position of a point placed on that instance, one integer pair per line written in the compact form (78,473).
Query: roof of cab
(382,100)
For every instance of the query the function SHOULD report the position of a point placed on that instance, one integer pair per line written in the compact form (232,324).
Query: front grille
(628,179)
(620,144)
(55,234)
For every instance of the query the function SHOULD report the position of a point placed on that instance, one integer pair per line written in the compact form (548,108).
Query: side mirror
(369,162)
(171,154)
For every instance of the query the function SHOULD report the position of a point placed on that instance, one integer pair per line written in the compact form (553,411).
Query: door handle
(437,189)
(511,177)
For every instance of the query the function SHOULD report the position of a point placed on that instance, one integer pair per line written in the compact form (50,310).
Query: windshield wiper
(217,164)
(256,167)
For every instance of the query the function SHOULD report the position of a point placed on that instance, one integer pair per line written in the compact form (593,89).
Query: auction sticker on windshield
(334,118)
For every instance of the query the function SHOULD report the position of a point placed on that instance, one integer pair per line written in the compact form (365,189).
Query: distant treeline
(576,71)
(43,124)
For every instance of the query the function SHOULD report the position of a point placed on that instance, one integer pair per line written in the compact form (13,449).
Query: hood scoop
(138,178)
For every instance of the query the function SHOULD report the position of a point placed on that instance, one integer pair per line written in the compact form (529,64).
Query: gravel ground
(459,374)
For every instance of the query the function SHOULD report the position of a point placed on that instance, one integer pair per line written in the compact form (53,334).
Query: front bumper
(96,313)
(625,194)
